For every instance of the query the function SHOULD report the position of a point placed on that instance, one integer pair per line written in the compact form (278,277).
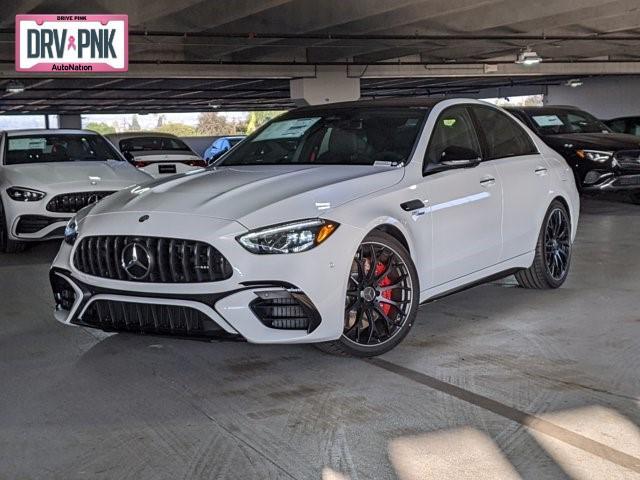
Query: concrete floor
(494,382)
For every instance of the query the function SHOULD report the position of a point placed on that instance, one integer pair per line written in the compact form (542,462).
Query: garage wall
(605,98)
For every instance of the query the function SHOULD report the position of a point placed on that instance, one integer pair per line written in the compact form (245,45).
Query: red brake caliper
(385,307)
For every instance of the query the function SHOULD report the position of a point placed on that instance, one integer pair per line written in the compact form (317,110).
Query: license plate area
(170,168)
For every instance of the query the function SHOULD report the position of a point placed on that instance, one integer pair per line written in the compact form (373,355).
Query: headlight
(21,194)
(288,237)
(71,231)
(595,155)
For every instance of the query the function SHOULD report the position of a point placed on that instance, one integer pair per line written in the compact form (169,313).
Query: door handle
(488,182)
(412,205)
(542,171)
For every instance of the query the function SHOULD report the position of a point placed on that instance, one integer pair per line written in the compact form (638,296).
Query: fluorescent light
(15,87)
(574,83)
(528,57)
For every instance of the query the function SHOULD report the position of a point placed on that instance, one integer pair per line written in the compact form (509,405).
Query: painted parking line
(530,421)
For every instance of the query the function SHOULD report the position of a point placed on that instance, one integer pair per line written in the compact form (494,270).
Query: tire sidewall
(373,350)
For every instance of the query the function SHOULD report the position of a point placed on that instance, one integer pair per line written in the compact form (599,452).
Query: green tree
(135,124)
(100,127)
(177,129)
(211,123)
(259,118)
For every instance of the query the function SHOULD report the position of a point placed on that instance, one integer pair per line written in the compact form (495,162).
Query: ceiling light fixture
(574,83)
(528,57)
(15,87)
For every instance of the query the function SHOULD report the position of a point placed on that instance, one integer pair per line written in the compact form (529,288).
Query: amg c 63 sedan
(46,176)
(329,225)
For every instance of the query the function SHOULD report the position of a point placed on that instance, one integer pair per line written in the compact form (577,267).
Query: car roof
(57,131)
(127,135)
(383,103)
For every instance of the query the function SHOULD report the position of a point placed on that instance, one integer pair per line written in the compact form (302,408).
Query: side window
(619,126)
(453,136)
(634,127)
(503,136)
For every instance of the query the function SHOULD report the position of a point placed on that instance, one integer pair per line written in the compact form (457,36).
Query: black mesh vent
(72,202)
(171,260)
(148,318)
(63,294)
(35,223)
(285,311)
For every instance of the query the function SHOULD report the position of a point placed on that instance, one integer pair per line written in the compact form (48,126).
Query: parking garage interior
(494,382)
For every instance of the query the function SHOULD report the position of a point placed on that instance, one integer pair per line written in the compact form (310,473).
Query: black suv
(601,159)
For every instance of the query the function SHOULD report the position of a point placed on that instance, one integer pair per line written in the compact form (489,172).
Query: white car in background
(158,154)
(46,176)
(329,225)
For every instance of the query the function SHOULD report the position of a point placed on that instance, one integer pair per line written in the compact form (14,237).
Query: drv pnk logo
(96,43)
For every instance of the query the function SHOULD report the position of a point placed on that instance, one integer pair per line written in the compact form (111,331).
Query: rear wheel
(553,251)
(381,300)
(7,245)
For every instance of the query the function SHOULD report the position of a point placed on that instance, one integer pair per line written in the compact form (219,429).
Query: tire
(7,245)
(383,286)
(553,251)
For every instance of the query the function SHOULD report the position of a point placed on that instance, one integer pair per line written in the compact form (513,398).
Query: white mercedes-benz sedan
(46,176)
(155,153)
(329,225)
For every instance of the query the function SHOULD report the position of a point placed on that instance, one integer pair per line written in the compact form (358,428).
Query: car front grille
(155,319)
(72,202)
(284,310)
(34,223)
(163,260)
(628,159)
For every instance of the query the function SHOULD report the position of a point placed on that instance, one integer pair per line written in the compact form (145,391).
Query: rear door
(523,174)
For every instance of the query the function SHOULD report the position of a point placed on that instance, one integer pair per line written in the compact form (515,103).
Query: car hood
(596,141)
(255,195)
(111,174)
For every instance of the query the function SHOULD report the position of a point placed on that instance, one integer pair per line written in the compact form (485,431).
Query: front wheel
(553,251)
(382,299)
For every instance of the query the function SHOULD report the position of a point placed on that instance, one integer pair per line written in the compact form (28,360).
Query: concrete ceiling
(241,53)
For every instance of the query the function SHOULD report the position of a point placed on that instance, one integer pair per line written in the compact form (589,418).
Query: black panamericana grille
(170,260)
(72,202)
(113,315)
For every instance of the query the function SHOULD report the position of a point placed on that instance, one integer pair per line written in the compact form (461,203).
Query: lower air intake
(148,318)
(284,310)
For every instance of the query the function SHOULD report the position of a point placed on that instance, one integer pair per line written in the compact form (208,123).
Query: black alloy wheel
(557,244)
(381,299)
(552,253)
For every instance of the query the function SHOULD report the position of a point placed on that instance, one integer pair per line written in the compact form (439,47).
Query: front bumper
(610,182)
(296,298)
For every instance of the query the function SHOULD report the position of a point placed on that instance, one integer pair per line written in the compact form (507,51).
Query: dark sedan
(601,159)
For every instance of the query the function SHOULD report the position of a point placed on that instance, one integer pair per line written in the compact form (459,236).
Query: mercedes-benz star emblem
(136,260)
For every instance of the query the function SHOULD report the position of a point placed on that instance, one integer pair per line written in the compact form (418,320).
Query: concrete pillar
(69,121)
(331,84)
(604,97)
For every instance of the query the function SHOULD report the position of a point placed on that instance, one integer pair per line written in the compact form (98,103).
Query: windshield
(335,137)
(554,122)
(58,148)
(138,144)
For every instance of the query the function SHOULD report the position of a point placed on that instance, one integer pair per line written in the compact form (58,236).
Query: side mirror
(460,157)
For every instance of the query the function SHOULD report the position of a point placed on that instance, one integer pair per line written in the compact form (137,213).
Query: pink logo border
(97,67)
